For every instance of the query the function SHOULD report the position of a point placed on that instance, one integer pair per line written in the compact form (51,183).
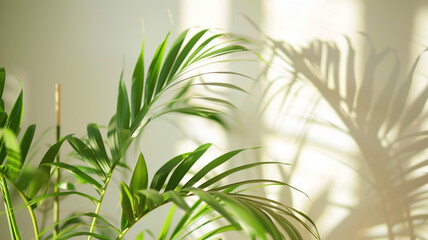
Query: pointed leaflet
(199,48)
(26,142)
(126,203)
(172,54)
(79,173)
(122,111)
(185,166)
(163,172)
(167,224)
(250,221)
(210,166)
(153,72)
(184,53)
(43,171)
(97,144)
(112,138)
(137,84)
(233,170)
(14,119)
(214,203)
(177,199)
(87,154)
(139,181)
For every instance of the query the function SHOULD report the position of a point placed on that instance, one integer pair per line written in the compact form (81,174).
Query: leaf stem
(13,227)
(97,210)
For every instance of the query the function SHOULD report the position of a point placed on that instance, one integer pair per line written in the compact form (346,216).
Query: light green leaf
(166,224)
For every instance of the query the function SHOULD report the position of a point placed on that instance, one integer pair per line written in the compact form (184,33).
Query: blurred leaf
(13,161)
(43,171)
(66,186)
(177,199)
(214,203)
(166,224)
(2,81)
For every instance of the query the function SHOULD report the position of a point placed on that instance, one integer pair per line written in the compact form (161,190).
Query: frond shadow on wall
(385,119)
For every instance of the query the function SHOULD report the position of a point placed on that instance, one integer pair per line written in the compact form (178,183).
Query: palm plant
(223,206)
(386,125)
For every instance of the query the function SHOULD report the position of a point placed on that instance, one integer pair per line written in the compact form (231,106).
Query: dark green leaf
(26,142)
(163,172)
(185,53)
(97,144)
(76,171)
(14,119)
(185,166)
(122,111)
(172,54)
(137,84)
(233,170)
(153,72)
(210,166)
(126,203)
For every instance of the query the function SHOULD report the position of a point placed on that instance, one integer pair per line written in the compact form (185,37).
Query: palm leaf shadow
(385,124)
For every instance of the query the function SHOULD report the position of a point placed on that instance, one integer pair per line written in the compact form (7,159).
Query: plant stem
(97,210)
(58,173)
(13,227)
